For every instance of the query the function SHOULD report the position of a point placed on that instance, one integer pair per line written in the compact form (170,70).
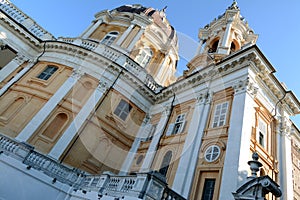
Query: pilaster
(188,160)
(78,121)
(125,34)
(134,147)
(136,38)
(92,28)
(156,138)
(39,118)
(12,66)
(16,77)
(285,157)
(239,135)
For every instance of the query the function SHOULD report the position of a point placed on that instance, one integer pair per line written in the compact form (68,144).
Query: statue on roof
(233,6)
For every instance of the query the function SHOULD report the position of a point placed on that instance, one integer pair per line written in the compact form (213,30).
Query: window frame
(212,152)
(122,109)
(208,188)
(45,75)
(151,133)
(144,57)
(109,38)
(220,119)
(262,141)
(178,126)
(165,164)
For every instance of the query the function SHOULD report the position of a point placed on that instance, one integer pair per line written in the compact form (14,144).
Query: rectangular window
(179,124)
(47,73)
(262,132)
(220,114)
(123,110)
(151,132)
(208,189)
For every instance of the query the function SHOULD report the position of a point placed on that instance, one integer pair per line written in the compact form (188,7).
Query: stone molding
(246,85)
(103,86)
(204,98)
(77,73)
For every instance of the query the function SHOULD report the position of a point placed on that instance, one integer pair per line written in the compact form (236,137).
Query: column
(235,169)
(156,139)
(199,49)
(15,78)
(162,68)
(136,38)
(11,66)
(125,34)
(78,121)
(285,159)
(39,118)
(91,29)
(224,48)
(141,135)
(188,160)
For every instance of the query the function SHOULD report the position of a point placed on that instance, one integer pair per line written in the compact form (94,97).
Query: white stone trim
(188,160)
(125,34)
(16,78)
(11,66)
(134,147)
(73,128)
(136,38)
(155,140)
(238,144)
(39,118)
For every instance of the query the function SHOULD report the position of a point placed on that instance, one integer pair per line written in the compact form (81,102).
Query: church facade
(103,116)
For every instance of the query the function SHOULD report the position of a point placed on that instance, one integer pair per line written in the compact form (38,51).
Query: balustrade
(12,11)
(139,185)
(23,19)
(118,57)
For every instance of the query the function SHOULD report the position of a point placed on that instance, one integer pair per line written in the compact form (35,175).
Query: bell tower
(226,34)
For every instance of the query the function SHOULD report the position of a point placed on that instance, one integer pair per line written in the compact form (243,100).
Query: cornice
(10,23)
(223,68)
(266,74)
(111,66)
(206,74)
(17,19)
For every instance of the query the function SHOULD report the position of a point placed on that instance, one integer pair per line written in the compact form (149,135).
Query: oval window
(212,153)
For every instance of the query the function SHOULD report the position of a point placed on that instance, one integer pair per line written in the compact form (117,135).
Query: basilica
(103,115)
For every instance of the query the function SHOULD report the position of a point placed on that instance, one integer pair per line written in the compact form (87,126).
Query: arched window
(109,38)
(165,163)
(144,57)
(13,109)
(214,47)
(232,47)
(55,126)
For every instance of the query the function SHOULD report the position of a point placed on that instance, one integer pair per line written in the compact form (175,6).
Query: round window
(212,153)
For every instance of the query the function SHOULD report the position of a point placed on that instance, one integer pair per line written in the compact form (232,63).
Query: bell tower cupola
(226,34)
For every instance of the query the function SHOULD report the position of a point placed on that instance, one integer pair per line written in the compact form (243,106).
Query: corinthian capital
(246,85)
(77,73)
(103,86)
(204,97)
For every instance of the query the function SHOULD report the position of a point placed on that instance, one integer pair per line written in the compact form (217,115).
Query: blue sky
(276,22)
